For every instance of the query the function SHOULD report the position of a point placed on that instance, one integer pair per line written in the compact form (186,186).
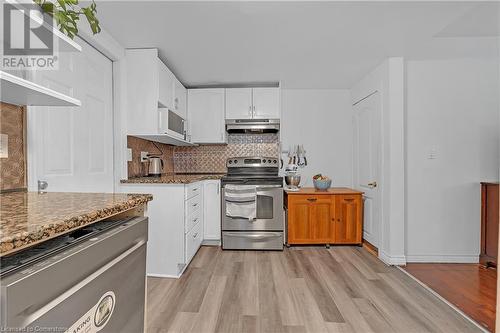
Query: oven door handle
(265,187)
(254,236)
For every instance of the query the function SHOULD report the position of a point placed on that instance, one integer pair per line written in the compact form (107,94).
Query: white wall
(452,110)
(321,120)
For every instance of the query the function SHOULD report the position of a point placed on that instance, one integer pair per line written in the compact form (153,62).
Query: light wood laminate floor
(341,289)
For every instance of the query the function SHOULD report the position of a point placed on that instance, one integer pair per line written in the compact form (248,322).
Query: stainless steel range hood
(252,126)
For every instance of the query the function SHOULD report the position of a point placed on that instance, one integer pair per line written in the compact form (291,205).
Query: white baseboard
(392,260)
(163,275)
(439,258)
(211,242)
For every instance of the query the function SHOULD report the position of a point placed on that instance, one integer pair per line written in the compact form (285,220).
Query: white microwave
(171,123)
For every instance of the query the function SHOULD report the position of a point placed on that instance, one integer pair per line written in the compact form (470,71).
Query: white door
(212,210)
(367,162)
(72,147)
(266,103)
(206,115)
(239,103)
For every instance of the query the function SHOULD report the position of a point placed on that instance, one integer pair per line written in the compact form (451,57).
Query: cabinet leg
(287,245)
(327,246)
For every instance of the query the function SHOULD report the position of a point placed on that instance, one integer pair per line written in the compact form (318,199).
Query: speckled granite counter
(173,178)
(27,218)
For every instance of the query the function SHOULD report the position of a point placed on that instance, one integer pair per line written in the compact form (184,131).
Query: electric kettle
(155,166)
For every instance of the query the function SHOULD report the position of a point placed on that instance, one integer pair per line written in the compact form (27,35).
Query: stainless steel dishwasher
(90,280)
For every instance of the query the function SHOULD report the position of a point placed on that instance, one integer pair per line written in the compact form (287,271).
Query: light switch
(129,155)
(4,146)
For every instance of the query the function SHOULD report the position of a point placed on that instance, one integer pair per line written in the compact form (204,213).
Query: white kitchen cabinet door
(212,210)
(72,147)
(180,98)
(142,91)
(239,103)
(266,103)
(165,87)
(206,114)
(166,241)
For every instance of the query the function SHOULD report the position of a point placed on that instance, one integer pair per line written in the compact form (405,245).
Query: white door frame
(388,79)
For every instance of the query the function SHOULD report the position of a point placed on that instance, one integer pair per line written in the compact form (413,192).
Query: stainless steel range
(252,204)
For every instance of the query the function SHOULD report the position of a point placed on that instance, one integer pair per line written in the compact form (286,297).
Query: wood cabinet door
(310,220)
(348,219)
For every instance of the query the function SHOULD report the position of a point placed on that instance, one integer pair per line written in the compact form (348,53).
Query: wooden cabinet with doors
(489,224)
(324,217)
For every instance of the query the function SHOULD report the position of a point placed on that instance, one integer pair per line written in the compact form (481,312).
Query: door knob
(372,184)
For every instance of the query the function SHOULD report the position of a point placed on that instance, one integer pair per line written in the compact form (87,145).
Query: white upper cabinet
(152,88)
(248,103)
(142,91)
(266,103)
(206,115)
(180,99)
(239,103)
(166,86)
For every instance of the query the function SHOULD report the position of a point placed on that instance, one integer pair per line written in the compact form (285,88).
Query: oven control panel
(242,162)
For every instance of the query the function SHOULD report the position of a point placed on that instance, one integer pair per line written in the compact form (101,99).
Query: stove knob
(235,161)
(275,161)
(268,161)
(263,161)
(230,161)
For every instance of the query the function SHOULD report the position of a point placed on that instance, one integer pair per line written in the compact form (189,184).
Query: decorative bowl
(322,185)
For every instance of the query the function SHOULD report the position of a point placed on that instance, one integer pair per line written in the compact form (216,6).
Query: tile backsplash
(13,167)
(205,158)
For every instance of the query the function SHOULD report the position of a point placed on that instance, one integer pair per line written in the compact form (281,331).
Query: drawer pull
(312,199)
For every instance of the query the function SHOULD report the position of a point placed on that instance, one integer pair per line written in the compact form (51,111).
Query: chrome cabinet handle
(372,184)
(250,110)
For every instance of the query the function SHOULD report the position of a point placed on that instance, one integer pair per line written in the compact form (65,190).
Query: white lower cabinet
(177,221)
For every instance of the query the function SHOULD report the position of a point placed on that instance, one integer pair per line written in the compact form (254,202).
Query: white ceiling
(302,44)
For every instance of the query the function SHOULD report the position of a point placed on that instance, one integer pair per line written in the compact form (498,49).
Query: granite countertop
(27,218)
(173,178)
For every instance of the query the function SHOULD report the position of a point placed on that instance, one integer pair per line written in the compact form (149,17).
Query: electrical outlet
(4,146)
(144,156)
(129,155)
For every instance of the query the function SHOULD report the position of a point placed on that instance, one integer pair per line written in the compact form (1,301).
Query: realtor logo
(28,40)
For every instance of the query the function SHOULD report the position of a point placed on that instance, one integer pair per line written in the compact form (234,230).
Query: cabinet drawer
(192,190)
(193,204)
(192,220)
(193,241)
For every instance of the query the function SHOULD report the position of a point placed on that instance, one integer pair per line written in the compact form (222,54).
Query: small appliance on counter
(155,166)
(292,181)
